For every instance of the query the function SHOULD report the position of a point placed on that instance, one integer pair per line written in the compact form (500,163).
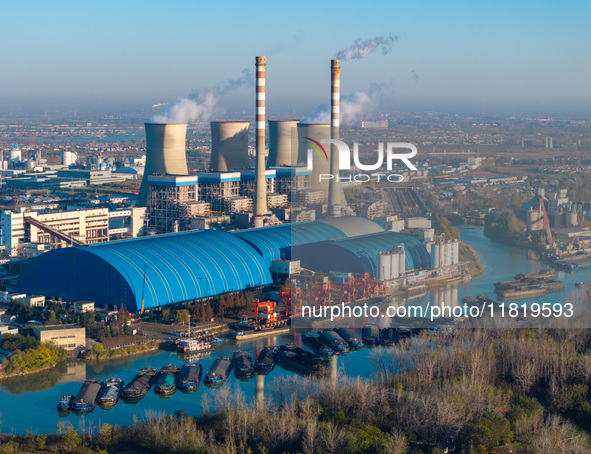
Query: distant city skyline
(448,55)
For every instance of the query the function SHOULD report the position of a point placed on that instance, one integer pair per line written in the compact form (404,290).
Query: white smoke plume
(352,107)
(361,48)
(201,105)
(160,104)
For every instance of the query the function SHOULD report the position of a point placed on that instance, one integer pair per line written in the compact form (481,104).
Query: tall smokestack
(165,153)
(336,196)
(260,192)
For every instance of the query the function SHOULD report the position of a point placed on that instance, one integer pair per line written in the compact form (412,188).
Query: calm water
(30,403)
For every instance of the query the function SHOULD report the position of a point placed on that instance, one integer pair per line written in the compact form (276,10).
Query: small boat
(111,392)
(85,400)
(193,345)
(65,402)
(332,340)
(218,372)
(190,377)
(139,386)
(266,360)
(350,337)
(370,335)
(313,341)
(167,380)
(242,363)
(583,284)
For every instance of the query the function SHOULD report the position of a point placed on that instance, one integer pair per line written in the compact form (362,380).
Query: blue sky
(79,54)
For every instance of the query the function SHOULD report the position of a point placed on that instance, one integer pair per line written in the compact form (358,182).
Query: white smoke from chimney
(201,105)
(160,104)
(353,107)
(361,48)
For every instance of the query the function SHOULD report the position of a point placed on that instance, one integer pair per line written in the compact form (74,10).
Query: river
(29,403)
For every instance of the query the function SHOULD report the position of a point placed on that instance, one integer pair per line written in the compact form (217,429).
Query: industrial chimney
(336,195)
(229,145)
(260,189)
(282,143)
(165,153)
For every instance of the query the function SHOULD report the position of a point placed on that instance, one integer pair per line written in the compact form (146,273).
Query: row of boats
(342,340)
(165,381)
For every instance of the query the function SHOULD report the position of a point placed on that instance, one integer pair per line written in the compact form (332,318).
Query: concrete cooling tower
(229,145)
(165,153)
(283,143)
(320,163)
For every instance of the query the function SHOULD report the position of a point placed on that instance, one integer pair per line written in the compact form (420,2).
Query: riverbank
(32,360)
(129,350)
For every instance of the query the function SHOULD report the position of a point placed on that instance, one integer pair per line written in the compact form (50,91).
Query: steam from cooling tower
(361,48)
(200,105)
(353,107)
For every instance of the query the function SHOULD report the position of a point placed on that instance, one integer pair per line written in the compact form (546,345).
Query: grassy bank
(98,354)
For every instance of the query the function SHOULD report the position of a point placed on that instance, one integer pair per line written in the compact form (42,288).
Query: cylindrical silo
(384,264)
(571,219)
(401,260)
(455,252)
(15,154)
(229,145)
(165,153)
(320,161)
(435,256)
(283,143)
(29,165)
(448,253)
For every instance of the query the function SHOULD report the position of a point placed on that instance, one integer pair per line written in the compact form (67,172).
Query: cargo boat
(334,341)
(350,337)
(583,284)
(140,385)
(313,341)
(370,334)
(167,380)
(192,345)
(65,402)
(266,360)
(218,372)
(190,377)
(520,293)
(469,300)
(292,357)
(388,336)
(85,400)
(111,392)
(242,363)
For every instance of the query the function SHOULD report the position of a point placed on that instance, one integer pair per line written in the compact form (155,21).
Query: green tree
(181,317)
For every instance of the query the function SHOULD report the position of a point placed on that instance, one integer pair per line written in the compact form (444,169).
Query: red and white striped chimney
(260,194)
(336,196)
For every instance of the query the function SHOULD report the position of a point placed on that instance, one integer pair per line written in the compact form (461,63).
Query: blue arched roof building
(276,242)
(360,254)
(179,267)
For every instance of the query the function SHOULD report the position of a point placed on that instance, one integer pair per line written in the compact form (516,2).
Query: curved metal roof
(180,267)
(360,254)
(275,243)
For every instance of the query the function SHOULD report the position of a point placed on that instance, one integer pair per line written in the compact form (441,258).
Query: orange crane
(264,311)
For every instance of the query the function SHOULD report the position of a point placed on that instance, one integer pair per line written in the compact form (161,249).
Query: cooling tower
(260,189)
(229,145)
(165,153)
(320,163)
(336,195)
(283,143)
